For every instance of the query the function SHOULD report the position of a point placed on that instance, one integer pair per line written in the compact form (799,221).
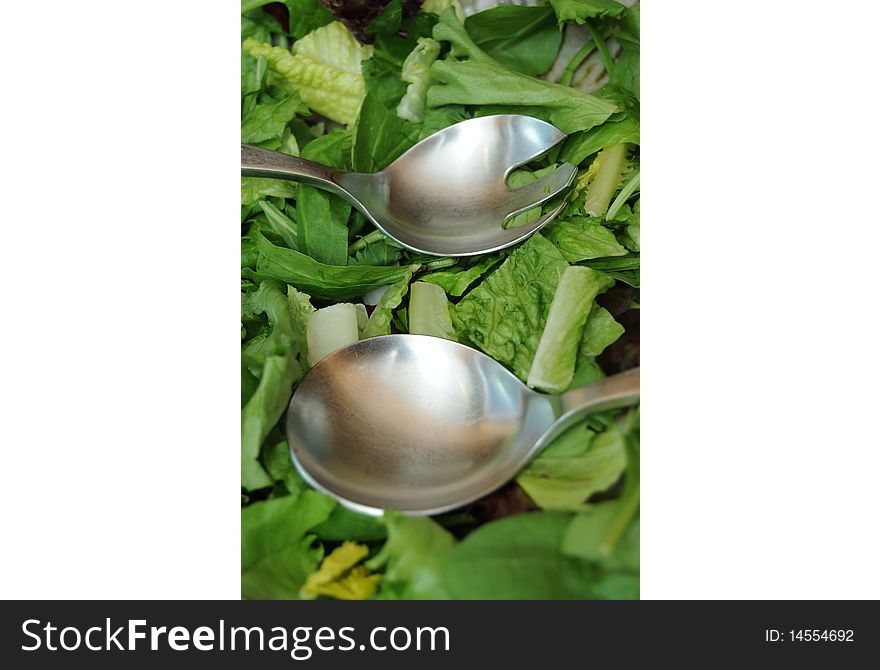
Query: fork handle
(259,162)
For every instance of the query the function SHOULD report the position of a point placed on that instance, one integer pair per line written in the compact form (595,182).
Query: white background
(120,314)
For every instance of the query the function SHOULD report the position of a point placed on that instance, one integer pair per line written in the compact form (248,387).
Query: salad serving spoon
(448,194)
(423,425)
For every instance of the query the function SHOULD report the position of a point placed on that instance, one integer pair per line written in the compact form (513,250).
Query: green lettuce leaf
(281,224)
(345,524)
(581,10)
(603,533)
(306,16)
(283,333)
(456,281)
(626,68)
(267,121)
(254,189)
(520,558)
(600,332)
(576,465)
(519,178)
(273,357)
(377,253)
(581,238)
(439,6)
(416,72)
(619,128)
(463,75)
(429,311)
(413,558)
(277,554)
(322,217)
(280,467)
(324,67)
(380,136)
(388,20)
(380,320)
(330,282)
(261,413)
(505,314)
(525,39)
(554,362)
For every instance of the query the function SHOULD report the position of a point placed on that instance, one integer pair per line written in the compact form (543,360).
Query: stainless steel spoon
(424,425)
(447,195)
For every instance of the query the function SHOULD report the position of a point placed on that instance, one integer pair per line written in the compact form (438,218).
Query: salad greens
(429,311)
(355,92)
(554,362)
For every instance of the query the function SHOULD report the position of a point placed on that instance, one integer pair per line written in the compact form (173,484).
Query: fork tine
(514,235)
(542,190)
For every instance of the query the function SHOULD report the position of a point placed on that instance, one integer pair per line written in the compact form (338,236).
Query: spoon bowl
(448,194)
(424,425)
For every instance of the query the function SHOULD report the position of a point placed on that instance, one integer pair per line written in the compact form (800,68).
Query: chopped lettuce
(277,551)
(629,188)
(581,238)
(322,218)
(379,322)
(429,311)
(253,189)
(363,317)
(468,76)
(267,121)
(576,465)
(439,6)
(417,73)
(523,38)
(412,557)
(324,67)
(340,577)
(600,332)
(505,314)
(381,136)
(602,180)
(331,328)
(553,366)
(520,558)
(273,356)
(581,10)
(331,282)
(457,280)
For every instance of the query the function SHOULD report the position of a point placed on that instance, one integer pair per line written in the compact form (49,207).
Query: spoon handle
(620,390)
(259,162)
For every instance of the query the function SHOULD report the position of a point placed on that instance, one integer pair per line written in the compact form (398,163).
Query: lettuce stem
(576,62)
(628,189)
(603,48)
(627,509)
(578,59)
(440,263)
(369,238)
(609,167)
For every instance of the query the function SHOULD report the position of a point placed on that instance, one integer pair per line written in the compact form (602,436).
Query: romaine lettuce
(468,76)
(505,314)
(324,67)
(340,576)
(553,366)
(417,73)
(429,311)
